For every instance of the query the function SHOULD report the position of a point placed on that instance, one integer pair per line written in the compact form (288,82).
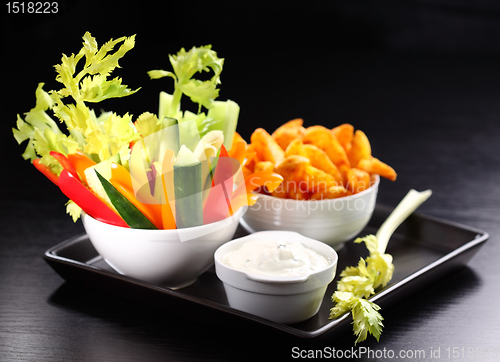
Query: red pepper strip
(223,152)
(90,203)
(81,162)
(216,207)
(46,171)
(65,163)
(218,201)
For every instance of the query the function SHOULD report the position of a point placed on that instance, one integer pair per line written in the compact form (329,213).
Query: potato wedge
(323,138)
(266,147)
(344,169)
(320,160)
(373,165)
(297,194)
(294,123)
(360,148)
(280,192)
(288,132)
(344,134)
(315,162)
(264,166)
(331,192)
(293,168)
(316,179)
(296,147)
(357,180)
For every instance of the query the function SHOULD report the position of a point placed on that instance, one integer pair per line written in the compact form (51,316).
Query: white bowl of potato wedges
(330,181)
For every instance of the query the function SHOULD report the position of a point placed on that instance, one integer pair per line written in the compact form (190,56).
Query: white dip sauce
(275,258)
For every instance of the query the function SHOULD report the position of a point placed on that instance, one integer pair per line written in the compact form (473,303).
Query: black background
(421,78)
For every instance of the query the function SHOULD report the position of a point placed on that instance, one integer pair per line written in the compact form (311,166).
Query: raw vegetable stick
(121,180)
(359,283)
(218,205)
(46,171)
(167,178)
(188,189)
(410,203)
(81,162)
(221,115)
(65,163)
(131,214)
(88,202)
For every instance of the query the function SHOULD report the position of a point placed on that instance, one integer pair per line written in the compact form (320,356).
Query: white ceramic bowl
(286,299)
(171,258)
(332,221)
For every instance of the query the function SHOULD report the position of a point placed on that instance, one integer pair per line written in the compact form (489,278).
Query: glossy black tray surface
(425,249)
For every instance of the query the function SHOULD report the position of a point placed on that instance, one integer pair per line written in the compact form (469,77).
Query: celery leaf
(91,84)
(73,210)
(359,283)
(221,116)
(366,319)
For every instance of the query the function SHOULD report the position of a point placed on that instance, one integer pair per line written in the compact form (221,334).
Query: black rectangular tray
(424,248)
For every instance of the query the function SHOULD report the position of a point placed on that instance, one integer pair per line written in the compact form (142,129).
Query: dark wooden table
(433,116)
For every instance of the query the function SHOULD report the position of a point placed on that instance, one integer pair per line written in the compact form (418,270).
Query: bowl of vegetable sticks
(158,192)
(172,258)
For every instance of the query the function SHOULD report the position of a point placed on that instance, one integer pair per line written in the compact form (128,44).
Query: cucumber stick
(129,213)
(188,189)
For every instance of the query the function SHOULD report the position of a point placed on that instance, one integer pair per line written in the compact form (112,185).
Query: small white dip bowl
(282,299)
(333,221)
(171,258)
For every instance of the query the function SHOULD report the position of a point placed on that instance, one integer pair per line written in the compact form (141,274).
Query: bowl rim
(370,189)
(270,279)
(237,215)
